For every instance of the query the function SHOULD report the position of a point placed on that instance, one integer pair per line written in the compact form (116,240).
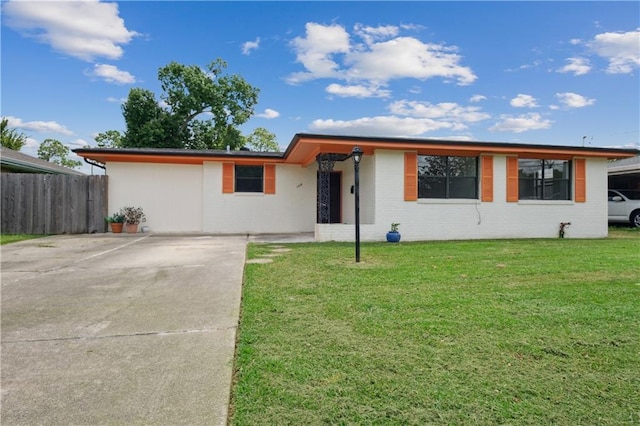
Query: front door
(335,198)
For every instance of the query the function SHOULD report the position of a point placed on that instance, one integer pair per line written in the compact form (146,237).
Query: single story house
(625,174)
(435,189)
(16,162)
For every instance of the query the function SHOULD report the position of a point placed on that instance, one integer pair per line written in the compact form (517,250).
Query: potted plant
(393,236)
(116,221)
(133,216)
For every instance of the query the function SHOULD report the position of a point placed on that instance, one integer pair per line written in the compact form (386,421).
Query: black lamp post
(356,154)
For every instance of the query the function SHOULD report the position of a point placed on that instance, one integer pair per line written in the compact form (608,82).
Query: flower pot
(132,228)
(116,228)
(393,237)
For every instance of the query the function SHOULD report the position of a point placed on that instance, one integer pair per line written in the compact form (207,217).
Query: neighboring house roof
(304,148)
(625,166)
(17,162)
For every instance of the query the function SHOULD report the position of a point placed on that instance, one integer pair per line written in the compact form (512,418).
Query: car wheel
(635,219)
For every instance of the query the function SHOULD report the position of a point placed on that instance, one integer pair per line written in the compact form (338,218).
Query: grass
(14,238)
(523,332)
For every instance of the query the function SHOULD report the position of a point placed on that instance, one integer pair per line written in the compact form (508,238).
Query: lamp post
(356,155)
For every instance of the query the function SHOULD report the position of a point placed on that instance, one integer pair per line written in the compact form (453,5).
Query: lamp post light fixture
(356,155)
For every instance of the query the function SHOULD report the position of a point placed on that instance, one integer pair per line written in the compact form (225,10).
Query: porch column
(325,167)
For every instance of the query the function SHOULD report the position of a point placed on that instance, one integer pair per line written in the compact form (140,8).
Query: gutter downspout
(93,163)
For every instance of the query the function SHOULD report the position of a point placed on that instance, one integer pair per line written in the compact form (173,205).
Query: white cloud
(523,101)
(371,34)
(39,126)
(477,98)
(578,66)
(573,100)
(521,123)
(412,27)
(407,57)
(357,91)
(78,143)
(326,51)
(248,46)
(460,138)
(315,51)
(269,114)
(379,126)
(32,144)
(116,100)
(82,29)
(408,118)
(446,111)
(111,74)
(534,64)
(622,50)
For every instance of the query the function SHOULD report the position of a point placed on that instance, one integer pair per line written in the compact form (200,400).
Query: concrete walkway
(119,329)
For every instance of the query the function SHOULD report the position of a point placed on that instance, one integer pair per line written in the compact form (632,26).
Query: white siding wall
(169,194)
(291,209)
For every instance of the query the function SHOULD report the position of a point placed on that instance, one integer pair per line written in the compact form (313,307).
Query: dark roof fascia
(180,152)
(453,143)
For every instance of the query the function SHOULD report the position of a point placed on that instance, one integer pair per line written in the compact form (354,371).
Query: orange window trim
(228,178)
(512,179)
(269,178)
(410,176)
(581,181)
(487,178)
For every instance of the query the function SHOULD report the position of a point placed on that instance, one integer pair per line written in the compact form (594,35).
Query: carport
(625,174)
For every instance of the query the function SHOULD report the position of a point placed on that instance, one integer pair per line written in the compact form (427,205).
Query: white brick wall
(472,219)
(367,190)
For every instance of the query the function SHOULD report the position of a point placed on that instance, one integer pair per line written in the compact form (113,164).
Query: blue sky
(528,72)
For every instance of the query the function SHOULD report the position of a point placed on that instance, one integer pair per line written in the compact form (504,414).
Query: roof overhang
(176,156)
(18,162)
(627,166)
(304,149)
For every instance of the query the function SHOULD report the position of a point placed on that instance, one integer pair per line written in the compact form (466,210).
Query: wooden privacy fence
(53,204)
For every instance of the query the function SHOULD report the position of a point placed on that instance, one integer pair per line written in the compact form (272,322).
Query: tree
(11,138)
(262,140)
(109,139)
(54,151)
(203,109)
(148,124)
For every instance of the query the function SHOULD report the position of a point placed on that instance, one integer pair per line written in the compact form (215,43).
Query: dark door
(335,198)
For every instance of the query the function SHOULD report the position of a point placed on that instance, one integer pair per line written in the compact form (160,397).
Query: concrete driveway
(119,329)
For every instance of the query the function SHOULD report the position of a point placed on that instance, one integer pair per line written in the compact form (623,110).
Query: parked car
(624,206)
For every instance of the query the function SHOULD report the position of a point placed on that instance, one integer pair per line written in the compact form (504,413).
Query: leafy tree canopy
(262,140)
(202,109)
(54,151)
(109,139)
(11,138)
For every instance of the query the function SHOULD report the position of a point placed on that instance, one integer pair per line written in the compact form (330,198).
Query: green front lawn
(524,332)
